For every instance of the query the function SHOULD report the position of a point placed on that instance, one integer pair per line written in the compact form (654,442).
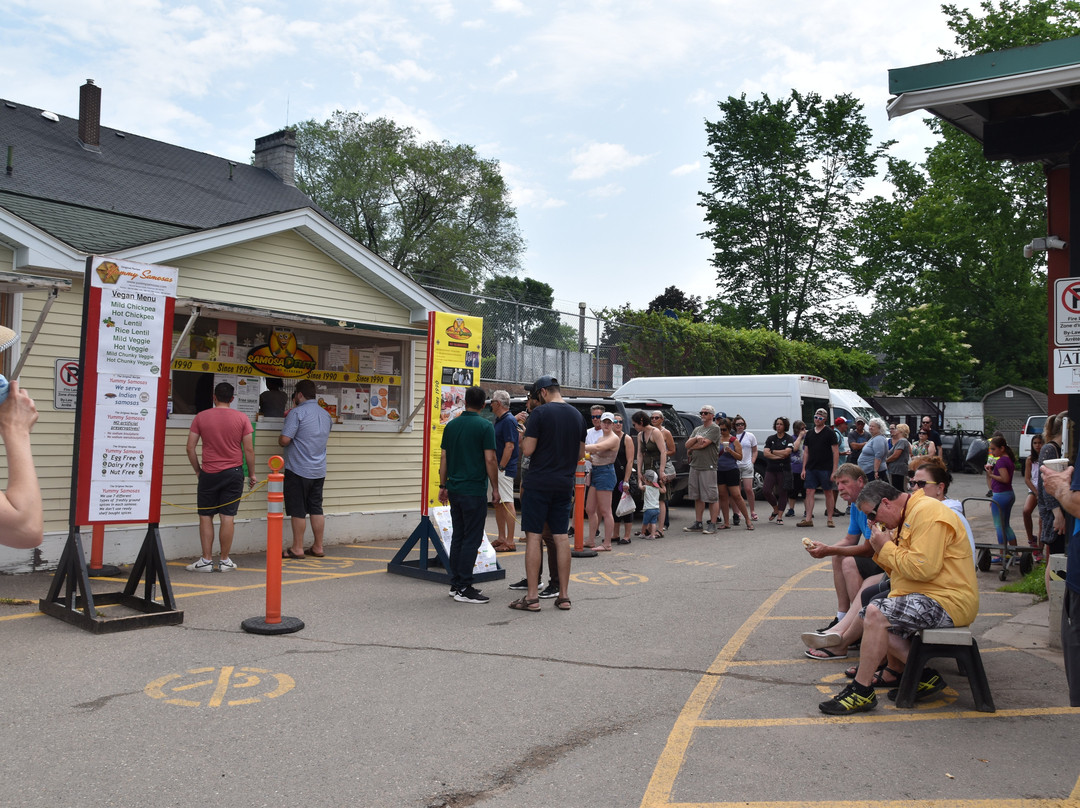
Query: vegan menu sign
(453,366)
(127,336)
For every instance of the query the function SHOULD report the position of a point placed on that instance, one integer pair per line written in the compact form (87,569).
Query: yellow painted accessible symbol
(608,578)
(212,686)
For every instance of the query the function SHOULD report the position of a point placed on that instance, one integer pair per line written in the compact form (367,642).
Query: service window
(359,378)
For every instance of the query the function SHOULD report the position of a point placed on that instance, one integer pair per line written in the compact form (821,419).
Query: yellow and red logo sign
(282,357)
(458,329)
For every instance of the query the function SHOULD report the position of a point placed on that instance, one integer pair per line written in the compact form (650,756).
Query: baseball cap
(840,421)
(650,475)
(607,416)
(822,411)
(544,382)
(860,421)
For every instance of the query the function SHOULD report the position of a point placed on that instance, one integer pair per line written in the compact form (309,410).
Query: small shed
(1007,408)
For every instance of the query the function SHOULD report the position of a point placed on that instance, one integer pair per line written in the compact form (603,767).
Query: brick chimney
(90,115)
(277,153)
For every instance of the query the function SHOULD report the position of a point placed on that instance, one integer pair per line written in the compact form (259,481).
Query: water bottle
(3,388)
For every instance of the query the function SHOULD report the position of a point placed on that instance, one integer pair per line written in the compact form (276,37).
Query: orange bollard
(578,550)
(273,622)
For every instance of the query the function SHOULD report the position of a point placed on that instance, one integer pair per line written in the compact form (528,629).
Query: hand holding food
(807,542)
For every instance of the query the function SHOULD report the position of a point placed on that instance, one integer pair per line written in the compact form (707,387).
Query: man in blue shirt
(1057,484)
(305,433)
(506,453)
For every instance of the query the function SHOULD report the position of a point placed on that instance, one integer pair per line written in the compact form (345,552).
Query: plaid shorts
(909,614)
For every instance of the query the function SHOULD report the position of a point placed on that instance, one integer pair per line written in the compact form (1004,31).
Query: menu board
(123,399)
(453,366)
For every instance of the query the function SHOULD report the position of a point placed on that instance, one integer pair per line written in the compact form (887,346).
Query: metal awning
(21,282)
(254,314)
(1022,104)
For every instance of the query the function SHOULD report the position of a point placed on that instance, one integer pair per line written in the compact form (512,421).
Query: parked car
(1034,426)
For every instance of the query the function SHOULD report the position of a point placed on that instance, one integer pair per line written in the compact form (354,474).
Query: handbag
(626,504)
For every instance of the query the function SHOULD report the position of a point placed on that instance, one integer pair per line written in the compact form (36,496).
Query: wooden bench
(956,643)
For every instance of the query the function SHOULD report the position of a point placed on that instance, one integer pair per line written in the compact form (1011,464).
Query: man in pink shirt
(224,433)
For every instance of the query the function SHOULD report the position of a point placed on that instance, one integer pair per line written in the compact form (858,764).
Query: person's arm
(628,442)
(897,451)
(507,453)
(611,442)
(661,444)
(1056,484)
(493,474)
(249,456)
(444,496)
(847,546)
(22,516)
(669,440)
(1005,477)
(835,459)
(1027,477)
(753,453)
(931,449)
(734,446)
(528,446)
(192,455)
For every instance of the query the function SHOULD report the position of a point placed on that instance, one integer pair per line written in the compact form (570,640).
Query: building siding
(368,472)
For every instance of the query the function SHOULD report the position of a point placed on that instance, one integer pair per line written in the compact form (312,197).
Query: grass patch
(15,602)
(1034,583)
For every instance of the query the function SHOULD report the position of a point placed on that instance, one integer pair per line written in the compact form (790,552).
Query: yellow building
(256,259)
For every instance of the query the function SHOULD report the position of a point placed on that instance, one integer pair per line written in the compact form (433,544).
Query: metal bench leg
(909,681)
(980,688)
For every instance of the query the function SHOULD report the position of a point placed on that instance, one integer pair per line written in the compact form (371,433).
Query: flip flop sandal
(753,516)
(822,639)
(772,516)
(290,554)
(779,521)
(312,552)
(828,655)
(523,604)
(749,526)
(854,669)
(562,604)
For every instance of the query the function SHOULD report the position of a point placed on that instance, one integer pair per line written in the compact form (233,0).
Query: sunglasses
(739,423)
(872,516)
(618,422)
(724,430)
(657,418)
(921,483)
(596,417)
(819,417)
(704,412)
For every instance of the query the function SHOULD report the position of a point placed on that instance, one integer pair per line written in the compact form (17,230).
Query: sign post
(118,458)
(453,364)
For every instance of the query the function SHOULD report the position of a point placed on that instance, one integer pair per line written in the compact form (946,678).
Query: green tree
(675,299)
(783,183)
(926,354)
(521,309)
(434,210)
(1010,24)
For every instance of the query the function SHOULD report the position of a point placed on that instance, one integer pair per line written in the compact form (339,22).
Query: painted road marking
(608,579)
(213,685)
(690,720)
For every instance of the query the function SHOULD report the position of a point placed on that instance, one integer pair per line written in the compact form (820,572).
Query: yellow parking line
(892,716)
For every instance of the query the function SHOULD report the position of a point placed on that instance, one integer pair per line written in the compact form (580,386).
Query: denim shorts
(819,478)
(603,477)
(540,507)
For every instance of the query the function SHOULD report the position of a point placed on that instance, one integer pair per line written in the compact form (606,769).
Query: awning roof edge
(255,313)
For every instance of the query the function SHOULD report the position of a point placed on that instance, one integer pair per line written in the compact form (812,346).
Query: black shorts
(303,496)
(730,478)
(867,566)
(220,491)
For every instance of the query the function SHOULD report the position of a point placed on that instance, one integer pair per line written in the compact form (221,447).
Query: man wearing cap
(506,453)
(703,449)
(554,442)
(857,439)
(820,455)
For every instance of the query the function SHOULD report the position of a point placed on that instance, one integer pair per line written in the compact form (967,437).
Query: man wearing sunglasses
(922,545)
(821,456)
(702,449)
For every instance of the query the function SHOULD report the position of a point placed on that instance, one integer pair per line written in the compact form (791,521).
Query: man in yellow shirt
(923,546)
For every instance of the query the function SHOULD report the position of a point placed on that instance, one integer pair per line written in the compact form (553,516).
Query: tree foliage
(653,344)
(521,309)
(926,354)
(434,210)
(1010,24)
(783,183)
(675,299)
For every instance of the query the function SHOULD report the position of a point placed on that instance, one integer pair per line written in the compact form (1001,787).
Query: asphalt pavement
(677,678)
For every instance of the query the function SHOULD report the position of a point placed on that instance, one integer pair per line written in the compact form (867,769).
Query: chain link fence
(523,341)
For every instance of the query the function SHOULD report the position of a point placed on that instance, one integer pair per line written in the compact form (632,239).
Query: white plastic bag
(485,556)
(626,505)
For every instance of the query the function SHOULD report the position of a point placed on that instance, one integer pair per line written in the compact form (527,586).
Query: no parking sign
(66,384)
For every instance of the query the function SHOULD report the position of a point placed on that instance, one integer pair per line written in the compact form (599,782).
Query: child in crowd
(650,515)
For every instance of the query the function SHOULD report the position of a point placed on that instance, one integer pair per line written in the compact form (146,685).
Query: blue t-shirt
(506,431)
(309,427)
(559,430)
(858,524)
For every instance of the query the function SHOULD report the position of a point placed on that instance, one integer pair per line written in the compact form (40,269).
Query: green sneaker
(849,700)
(930,684)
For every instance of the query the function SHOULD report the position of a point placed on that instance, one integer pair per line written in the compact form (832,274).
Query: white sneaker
(202,565)
(226,564)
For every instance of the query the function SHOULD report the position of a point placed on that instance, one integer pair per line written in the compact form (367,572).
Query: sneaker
(850,700)
(709,528)
(697,526)
(226,564)
(453,591)
(522,584)
(471,594)
(735,519)
(790,512)
(202,565)
(825,630)
(805,523)
(550,591)
(930,684)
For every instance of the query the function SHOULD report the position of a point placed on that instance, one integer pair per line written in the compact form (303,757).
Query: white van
(759,399)
(850,405)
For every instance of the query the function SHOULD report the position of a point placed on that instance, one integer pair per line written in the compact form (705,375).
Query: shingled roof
(129,190)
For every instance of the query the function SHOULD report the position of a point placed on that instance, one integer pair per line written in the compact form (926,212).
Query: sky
(595,109)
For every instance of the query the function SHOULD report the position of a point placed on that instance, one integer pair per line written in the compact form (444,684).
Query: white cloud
(510,7)
(606,191)
(507,80)
(599,159)
(688,168)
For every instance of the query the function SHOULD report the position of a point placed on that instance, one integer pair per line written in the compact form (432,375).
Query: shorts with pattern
(909,614)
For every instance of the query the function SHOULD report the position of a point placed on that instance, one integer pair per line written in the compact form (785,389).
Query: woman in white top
(746,465)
